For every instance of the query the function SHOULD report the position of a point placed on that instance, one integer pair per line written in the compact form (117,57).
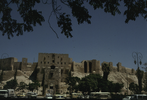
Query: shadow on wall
(33,76)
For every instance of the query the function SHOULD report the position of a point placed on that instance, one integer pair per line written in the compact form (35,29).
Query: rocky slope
(116,77)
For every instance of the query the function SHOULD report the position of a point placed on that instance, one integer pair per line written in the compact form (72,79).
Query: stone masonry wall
(9,74)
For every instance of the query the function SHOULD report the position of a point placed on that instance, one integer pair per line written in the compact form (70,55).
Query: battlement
(90,66)
(56,66)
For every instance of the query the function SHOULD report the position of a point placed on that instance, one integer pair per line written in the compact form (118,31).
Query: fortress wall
(9,74)
(6,64)
(111,66)
(130,71)
(109,63)
(114,69)
(99,68)
(15,60)
(33,66)
(94,65)
(17,65)
(133,71)
(39,74)
(70,60)
(29,67)
(77,67)
(121,69)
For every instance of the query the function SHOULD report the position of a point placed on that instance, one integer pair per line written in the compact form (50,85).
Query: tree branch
(46,2)
(51,26)
(64,2)
(9,3)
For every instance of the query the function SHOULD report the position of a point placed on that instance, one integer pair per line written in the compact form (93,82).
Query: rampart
(56,67)
(90,66)
(10,64)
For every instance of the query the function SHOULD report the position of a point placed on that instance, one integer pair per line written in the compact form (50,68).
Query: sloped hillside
(125,78)
(116,77)
(9,74)
(21,76)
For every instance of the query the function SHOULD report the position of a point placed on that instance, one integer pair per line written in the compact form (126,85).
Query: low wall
(123,69)
(9,74)
(77,67)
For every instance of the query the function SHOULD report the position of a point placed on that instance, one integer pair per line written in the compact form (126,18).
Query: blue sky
(108,38)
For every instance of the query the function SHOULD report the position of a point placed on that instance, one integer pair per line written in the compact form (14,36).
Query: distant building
(56,67)
(53,69)
(12,64)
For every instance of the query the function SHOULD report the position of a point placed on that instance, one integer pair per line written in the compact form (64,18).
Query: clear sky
(108,38)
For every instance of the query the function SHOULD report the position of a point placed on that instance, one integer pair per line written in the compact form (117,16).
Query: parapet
(130,71)
(110,65)
(122,69)
(77,67)
(15,60)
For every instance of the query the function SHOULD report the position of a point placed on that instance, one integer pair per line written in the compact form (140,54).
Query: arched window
(61,59)
(52,67)
(85,67)
(51,87)
(90,67)
(53,56)
(50,75)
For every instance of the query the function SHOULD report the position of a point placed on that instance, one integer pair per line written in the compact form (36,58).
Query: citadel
(55,67)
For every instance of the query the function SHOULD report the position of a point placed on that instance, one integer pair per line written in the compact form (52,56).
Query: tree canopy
(134,87)
(96,83)
(106,70)
(1,76)
(22,86)
(139,74)
(72,82)
(12,84)
(34,85)
(31,16)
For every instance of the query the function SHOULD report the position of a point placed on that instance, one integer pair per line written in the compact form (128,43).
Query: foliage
(92,82)
(31,16)
(22,86)
(43,83)
(34,85)
(12,84)
(145,82)
(84,85)
(95,82)
(15,74)
(145,78)
(134,88)
(106,70)
(1,76)
(109,86)
(139,74)
(117,96)
(117,87)
(71,81)
(72,84)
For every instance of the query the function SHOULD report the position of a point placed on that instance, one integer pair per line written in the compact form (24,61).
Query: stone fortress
(53,68)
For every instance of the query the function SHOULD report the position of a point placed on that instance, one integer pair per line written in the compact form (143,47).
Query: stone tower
(23,64)
(54,67)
